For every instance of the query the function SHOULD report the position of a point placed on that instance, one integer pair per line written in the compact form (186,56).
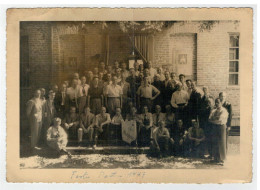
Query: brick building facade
(50,51)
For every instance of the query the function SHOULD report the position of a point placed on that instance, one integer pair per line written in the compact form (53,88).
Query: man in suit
(34,114)
(167,89)
(49,112)
(71,123)
(82,93)
(86,127)
(61,101)
(228,106)
(194,103)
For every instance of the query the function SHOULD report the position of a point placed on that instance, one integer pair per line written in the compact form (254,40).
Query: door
(184,55)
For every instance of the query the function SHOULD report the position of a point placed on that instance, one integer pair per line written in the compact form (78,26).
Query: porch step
(108,150)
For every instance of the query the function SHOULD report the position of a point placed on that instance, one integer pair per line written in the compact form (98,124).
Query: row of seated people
(163,139)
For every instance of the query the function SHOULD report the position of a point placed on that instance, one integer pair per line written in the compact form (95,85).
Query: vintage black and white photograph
(129,94)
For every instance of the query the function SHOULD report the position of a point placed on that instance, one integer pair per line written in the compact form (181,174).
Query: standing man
(49,112)
(218,119)
(194,103)
(157,83)
(125,96)
(174,80)
(188,84)
(102,67)
(151,70)
(124,71)
(61,101)
(134,83)
(82,93)
(89,77)
(113,96)
(167,89)
(34,114)
(179,102)
(160,73)
(76,78)
(86,127)
(95,98)
(73,94)
(182,81)
(228,106)
(145,94)
(206,106)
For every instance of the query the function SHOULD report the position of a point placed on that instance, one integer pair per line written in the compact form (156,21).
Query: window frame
(235,60)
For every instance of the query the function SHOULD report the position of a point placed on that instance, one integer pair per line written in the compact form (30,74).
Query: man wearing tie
(61,101)
(82,93)
(73,94)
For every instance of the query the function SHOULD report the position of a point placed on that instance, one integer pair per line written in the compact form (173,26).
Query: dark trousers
(144,136)
(146,102)
(114,134)
(219,142)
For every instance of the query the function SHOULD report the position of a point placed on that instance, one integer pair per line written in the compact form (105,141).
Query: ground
(127,161)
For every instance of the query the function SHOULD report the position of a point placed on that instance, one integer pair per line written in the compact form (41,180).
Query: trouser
(86,135)
(82,103)
(101,134)
(35,133)
(219,142)
(144,136)
(146,102)
(95,105)
(112,104)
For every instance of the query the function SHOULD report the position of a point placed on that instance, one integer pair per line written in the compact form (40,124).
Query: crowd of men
(172,115)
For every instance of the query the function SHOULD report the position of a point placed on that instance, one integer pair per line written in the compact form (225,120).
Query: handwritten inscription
(106,175)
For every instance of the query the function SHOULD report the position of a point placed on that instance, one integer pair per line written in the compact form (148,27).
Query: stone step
(108,150)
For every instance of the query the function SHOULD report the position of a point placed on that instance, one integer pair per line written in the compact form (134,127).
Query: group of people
(172,115)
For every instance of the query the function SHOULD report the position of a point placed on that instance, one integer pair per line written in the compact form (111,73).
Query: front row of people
(162,138)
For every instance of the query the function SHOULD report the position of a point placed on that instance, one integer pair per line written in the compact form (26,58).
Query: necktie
(83,90)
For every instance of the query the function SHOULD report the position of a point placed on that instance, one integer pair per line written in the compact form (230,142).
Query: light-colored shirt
(147,91)
(162,77)
(113,91)
(179,97)
(157,118)
(125,73)
(183,86)
(158,132)
(83,90)
(152,72)
(55,133)
(218,116)
(101,119)
(117,120)
(72,92)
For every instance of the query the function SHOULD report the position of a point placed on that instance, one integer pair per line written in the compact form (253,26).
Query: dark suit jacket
(228,107)
(58,100)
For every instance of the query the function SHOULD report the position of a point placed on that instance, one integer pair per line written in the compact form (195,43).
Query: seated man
(86,126)
(180,138)
(57,138)
(196,140)
(101,126)
(116,126)
(161,140)
(145,125)
(157,117)
(71,123)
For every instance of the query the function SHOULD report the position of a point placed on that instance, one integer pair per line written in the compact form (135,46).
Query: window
(233,59)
